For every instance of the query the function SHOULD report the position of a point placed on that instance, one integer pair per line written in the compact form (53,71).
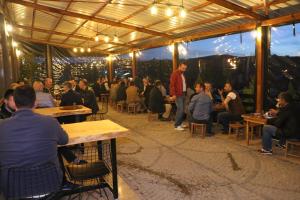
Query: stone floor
(156,162)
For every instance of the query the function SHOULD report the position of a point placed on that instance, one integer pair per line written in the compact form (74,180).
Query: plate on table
(75,107)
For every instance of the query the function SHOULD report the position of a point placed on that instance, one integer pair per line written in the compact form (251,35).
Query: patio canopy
(123,26)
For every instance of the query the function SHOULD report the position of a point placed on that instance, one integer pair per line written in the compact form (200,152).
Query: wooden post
(175,56)
(262,56)
(49,61)
(6,72)
(110,68)
(14,60)
(133,65)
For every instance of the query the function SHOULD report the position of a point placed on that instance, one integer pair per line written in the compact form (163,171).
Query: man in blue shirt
(201,107)
(28,139)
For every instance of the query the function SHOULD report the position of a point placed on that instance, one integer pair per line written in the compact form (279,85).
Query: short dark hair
(286,96)
(84,81)
(201,85)
(24,96)
(68,84)
(8,93)
(158,83)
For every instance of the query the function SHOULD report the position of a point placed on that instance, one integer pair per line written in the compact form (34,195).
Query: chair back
(103,107)
(32,181)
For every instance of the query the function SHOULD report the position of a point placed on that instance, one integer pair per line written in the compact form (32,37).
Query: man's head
(38,86)
(227,87)
(73,82)
(199,87)
(284,98)
(67,86)
(182,67)
(131,83)
(208,86)
(9,99)
(48,83)
(83,84)
(145,81)
(24,97)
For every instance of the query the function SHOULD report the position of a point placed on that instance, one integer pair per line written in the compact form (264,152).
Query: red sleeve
(172,84)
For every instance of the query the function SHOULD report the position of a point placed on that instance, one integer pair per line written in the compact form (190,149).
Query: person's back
(44,100)
(235,105)
(132,94)
(201,106)
(156,101)
(113,91)
(70,98)
(121,92)
(29,139)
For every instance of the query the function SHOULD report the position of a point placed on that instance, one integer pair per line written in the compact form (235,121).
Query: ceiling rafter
(236,8)
(91,18)
(62,34)
(83,23)
(58,21)
(33,19)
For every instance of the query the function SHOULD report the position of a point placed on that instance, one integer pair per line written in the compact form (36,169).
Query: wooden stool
(120,107)
(152,116)
(290,143)
(235,127)
(201,127)
(132,108)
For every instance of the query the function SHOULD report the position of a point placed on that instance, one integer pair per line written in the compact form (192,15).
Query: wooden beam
(236,8)
(282,20)
(134,65)
(83,23)
(64,34)
(58,21)
(87,17)
(110,69)
(33,19)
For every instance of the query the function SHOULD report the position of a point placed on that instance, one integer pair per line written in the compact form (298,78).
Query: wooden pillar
(14,61)
(6,72)
(262,57)
(133,67)
(175,56)
(110,68)
(49,61)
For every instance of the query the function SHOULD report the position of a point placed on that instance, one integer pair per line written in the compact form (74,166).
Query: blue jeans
(269,132)
(179,111)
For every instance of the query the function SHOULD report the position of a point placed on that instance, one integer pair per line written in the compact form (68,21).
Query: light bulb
(116,39)
(131,54)
(9,28)
(96,38)
(153,9)
(89,50)
(82,50)
(14,44)
(18,52)
(75,50)
(169,12)
(182,12)
(106,39)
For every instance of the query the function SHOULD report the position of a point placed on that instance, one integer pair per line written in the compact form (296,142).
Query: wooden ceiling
(75,23)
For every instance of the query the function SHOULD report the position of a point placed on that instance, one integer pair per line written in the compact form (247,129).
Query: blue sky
(283,43)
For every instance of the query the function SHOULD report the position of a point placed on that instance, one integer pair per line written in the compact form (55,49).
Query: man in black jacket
(8,107)
(88,96)
(284,125)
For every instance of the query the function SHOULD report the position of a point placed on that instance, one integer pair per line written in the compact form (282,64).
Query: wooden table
(253,118)
(63,111)
(85,132)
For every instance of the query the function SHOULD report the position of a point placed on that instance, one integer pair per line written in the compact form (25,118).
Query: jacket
(132,94)
(70,98)
(44,100)
(287,120)
(89,100)
(5,112)
(176,86)
(121,93)
(156,101)
(200,106)
(24,143)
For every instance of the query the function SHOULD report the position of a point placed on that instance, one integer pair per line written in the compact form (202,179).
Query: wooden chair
(235,127)
(289,145)
(201,127)
(120,107)
(132,108)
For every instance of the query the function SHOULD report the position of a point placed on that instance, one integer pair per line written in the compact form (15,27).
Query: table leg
(114,167)
(247,132)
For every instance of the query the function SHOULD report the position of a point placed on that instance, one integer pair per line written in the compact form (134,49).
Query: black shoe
(69,186)
(280,146)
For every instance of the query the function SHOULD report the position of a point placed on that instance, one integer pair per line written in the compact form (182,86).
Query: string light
(106,39)
(18,53)
(116,39)
(8,28)
(14,44)
(75,50)
(153,9)
(169,11)
(82,50)
(96,38)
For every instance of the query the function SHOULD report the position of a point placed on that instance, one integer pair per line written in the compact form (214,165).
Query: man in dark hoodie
(8,107)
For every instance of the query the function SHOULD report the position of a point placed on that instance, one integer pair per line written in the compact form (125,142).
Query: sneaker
(265,152)
(179,128)
(280,146)
(184,126)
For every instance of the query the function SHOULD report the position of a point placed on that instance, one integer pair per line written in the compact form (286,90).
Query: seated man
(48,87)
(88,96)
(201,107)
(133,95)
(284,125)
(121,93)
(233,105)
(43,99)
(69,98)
(8,107)
(29,139)
(157,102)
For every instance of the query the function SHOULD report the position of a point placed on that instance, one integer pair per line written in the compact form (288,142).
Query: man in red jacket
(178,92)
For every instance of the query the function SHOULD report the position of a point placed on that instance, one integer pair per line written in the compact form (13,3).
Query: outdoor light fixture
(8,28)
(116,39)
(131,54)
(154,9)
(75,50)
(89,50)
(82,50)
(18,53)
(96,38)
(182,12)
(169,12)
(14,44)
(106,39)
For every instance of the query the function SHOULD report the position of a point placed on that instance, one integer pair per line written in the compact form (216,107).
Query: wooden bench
(292,143)
(201,127)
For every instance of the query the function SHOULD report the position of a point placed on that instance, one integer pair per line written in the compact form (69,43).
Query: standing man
(178,93)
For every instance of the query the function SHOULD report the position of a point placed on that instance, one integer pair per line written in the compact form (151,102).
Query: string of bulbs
(169,11)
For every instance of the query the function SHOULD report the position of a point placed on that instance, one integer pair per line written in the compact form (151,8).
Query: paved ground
(156,162)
